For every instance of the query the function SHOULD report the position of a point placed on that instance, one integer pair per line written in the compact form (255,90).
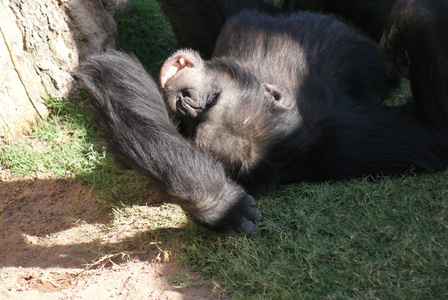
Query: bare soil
(52,246)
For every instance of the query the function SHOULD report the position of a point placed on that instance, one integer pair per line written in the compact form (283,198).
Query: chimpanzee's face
(234,118)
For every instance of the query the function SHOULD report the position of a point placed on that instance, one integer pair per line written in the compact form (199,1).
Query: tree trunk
(41,43)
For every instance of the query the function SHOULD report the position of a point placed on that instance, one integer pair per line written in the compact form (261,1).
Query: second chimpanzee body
(283,99)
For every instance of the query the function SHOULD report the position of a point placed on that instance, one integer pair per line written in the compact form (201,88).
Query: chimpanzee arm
(415,42)
(137,129)
(197,23)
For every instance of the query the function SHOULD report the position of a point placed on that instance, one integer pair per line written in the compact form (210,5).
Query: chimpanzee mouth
(191,117)
(185,107)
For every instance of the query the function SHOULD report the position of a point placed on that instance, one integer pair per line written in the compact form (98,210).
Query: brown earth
(54,244)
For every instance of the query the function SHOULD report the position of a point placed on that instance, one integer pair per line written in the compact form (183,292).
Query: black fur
(197,24)
(283,99)
(415,42)
(370,16)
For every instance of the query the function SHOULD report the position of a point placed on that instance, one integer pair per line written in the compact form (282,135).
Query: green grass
(68,145)
(142,30)
(359,239)
(363,239)
(63,145)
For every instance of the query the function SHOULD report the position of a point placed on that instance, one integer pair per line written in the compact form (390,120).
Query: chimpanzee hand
(393,48)
(241,217)
(234,213)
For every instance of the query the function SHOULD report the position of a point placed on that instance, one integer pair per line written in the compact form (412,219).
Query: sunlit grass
(61,146)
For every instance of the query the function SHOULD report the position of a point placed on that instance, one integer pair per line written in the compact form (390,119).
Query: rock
(41,44)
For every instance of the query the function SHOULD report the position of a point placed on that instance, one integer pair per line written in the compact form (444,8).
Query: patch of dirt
(50,230)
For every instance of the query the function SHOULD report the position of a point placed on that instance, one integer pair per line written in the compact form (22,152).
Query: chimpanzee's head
(225,109)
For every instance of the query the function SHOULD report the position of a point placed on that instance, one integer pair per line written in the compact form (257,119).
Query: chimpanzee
(197,24)
(285,97)
(368,15)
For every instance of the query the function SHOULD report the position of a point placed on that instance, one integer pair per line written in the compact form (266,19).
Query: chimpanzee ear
(277,97)
(180,60)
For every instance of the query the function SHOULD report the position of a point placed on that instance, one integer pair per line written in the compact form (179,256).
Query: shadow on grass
(57,223)
(53,238)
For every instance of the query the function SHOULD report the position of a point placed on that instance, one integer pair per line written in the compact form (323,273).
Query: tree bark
(41,44)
